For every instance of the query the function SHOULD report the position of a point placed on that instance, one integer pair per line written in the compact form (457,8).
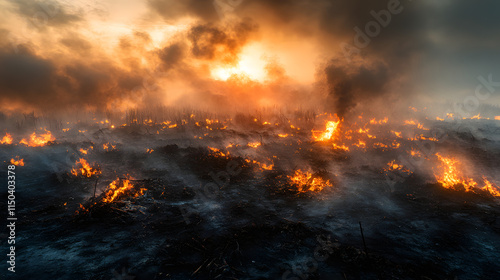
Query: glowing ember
(7,139)
(17,161)
(394,166)
(305,181)
(85,170)
(108,147)
(38,140)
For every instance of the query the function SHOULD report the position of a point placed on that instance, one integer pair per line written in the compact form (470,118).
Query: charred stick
(363,237)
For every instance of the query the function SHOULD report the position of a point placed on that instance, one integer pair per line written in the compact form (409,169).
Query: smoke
(348,85)
(66,65)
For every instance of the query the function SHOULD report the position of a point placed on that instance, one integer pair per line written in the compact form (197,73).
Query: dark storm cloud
(42,13)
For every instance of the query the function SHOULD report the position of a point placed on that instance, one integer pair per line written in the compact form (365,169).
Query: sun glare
(250,65)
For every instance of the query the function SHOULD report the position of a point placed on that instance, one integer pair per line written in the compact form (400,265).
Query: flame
(489,187)
(83,151)
(382,121)
(17,161)
(415,123)
(218,153)
(305,181)
(85,170)
(108,146)
(149,151)
(254,145)
(7,139)
(261,165)
(394,166)
(452,176)
(497,118)
(342,147)
(283,135)
(329,133)
(38,140)
(116,189)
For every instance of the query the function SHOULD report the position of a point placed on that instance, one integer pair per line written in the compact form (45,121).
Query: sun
(251,64)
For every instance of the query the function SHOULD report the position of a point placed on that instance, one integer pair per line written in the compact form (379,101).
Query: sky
(239,54)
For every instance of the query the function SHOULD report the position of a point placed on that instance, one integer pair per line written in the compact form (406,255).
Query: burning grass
(38,140)
(453,177)
(17,161)
(308,182)
(83,168)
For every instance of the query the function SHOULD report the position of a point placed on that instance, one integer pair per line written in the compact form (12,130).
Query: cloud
(45,13)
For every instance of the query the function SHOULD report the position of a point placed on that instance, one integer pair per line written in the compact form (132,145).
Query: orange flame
(38,140)
(305,181)
(116,189)
(254,145)
(85,170)
(17,161)
(329,133)
(451,176)
(7,139)
(489,187)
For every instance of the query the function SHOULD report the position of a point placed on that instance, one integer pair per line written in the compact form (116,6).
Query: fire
(305,181)
(497,118)
(382,121)
(116,189)
(394,166)
(38,140)
(85,170)
(7,139)
(283,135)
(254,145)
(149,151)
(218,153)
(452,176)
(261,165)
(17,161)
(108,146)
(83,151)
(340,147)
(489,187)
(329,133)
